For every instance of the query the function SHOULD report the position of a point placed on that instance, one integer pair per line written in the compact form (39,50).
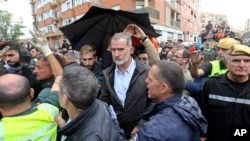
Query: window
(41,16)
(67,21)
(53,14)
(79,2)
(185,6)
(49,28)
(66,5)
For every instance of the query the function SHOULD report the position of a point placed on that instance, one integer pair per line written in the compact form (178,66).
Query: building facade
(190,13)
(173,19)
(215,18)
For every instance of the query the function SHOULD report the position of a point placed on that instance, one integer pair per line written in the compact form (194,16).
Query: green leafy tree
(9,28)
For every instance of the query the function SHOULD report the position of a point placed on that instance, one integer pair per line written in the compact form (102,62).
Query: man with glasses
(225,99)
(181,56)
(215,67)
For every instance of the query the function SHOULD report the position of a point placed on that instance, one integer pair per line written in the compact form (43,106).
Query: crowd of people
(132,93)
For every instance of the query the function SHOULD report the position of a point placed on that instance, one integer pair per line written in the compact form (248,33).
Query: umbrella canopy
(98,25)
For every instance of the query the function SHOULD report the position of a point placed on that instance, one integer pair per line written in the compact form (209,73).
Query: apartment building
(247,26)
(246,33)
(166,16)
(215,18)
(190,13)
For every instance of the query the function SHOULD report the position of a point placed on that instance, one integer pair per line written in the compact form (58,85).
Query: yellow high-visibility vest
(216,70)
(38,125)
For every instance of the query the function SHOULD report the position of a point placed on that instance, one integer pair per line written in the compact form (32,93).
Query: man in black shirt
(225,98)
(215,67)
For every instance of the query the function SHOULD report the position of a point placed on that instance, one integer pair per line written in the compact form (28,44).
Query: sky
(236,10)
(20,8)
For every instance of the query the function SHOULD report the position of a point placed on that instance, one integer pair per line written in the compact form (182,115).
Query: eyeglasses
(175,56)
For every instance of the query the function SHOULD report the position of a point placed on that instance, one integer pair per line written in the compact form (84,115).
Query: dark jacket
(93,124)
(46,95)
(177,118)
(225,103)
(97,70)
(136,101)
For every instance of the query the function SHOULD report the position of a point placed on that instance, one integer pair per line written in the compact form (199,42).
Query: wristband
(48,53)
(144,39)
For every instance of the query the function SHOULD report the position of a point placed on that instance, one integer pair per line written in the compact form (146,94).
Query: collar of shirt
(130,68)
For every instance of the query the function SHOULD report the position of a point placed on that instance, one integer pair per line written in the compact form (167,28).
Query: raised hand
(40,42)
(129,30)
(196,57)
(139,33)
(134,30)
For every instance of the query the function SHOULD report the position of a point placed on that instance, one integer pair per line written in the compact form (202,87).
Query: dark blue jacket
(195,87)
(178,118)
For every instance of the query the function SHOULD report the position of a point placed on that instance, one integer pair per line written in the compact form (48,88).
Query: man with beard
(18,58)
(89,60)
(215,67)
(124,82)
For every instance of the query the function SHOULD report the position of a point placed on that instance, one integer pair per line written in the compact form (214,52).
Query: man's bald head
(14,90)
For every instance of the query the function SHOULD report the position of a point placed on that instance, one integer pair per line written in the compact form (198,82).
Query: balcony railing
(54,3)
(151,11)
(175,4)
(175,23)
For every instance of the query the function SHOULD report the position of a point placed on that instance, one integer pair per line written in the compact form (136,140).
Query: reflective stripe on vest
(230,99)
(216,68)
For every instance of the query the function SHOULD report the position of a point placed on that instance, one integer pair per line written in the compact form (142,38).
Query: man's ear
(31,93)
(65,99)
(132,50)
(164,88)
(96,58)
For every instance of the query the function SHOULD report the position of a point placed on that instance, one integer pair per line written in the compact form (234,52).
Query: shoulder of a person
(214,79)
(53,110)
(140,65)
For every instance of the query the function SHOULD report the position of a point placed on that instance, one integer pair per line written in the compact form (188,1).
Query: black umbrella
(99,24)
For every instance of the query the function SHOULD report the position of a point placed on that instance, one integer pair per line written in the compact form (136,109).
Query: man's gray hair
(80,85)
(123,35)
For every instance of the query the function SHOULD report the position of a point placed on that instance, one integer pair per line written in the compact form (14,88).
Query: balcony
(54,33)
(175,23)
(57,20)
(153,14)
(174,5)
(54,4)
(57,17)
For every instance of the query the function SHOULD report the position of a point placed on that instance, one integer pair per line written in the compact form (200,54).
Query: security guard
(215,67)
(225,99)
